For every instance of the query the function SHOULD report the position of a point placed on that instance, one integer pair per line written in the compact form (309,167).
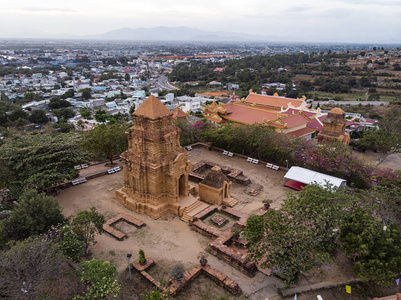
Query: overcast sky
(371,21)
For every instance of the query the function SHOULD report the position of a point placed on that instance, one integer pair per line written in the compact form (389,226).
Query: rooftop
(152,108)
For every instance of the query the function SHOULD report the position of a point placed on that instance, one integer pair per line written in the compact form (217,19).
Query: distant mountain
(163,33)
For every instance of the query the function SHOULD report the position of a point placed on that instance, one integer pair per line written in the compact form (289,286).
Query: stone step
(198,209)
(192,206)
(230,202)
(186,218)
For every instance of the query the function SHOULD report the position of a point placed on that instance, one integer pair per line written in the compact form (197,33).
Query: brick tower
(156,167)
(334,128)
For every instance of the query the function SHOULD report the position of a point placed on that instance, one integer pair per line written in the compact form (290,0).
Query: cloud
(45,9)
(374,2)
(299,9)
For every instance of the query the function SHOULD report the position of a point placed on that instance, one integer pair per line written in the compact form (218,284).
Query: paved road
(163,84)
(350,103)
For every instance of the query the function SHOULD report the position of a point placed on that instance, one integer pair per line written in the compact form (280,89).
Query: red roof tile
(294,120)
(302,132)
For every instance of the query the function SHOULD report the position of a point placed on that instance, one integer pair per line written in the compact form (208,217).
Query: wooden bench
(269,166)
(275,167)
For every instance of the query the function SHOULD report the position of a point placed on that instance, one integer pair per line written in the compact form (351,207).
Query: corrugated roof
(308,176)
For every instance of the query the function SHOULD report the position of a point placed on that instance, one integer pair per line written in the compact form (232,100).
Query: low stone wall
(206,230)
(242,218)
(220,247)
(118,234)
(176,287)
(392,297)
(233,257)
(313,287)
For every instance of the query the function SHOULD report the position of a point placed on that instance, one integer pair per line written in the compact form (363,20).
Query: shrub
(142,258)
(178,271)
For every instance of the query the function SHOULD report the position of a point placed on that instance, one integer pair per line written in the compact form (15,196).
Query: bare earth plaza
(175,203)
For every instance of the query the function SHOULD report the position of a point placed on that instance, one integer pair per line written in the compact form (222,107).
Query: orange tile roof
(247,115)
(302,132)
(152,108)
(178,113)
(295,120)
(272,100)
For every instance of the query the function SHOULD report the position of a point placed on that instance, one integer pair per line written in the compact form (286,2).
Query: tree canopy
(106,140)
(301,234)
(38,116)
(87,223)
(35,213)
(36,269)
(98,276)
(38,161)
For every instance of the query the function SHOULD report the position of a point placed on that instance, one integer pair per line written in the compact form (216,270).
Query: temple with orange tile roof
(285,115)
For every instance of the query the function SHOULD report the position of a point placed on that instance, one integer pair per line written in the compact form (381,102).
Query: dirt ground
(169,240)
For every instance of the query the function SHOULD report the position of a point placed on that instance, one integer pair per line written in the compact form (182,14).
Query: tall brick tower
(156,167)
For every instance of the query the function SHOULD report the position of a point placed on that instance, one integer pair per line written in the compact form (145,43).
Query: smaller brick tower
(334,128)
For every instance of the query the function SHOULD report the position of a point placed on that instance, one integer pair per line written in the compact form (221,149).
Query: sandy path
(272,181)
(169,240)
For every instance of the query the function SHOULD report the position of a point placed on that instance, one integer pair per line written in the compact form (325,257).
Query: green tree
(18,114)
(101,116)
(38,116)
(106,140)
(39,161)
(31,96)
(70,244)
(374,248)
(56,102)
(98,276)
(377,140)
(64,113)
(302,234)
(320,208)
(4,97)
(283,244)
(68,94)
(156,294)
(35,213)
(85,113)
(86,93)
(87,223)
(35,269)
(127,77)
(132,109)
